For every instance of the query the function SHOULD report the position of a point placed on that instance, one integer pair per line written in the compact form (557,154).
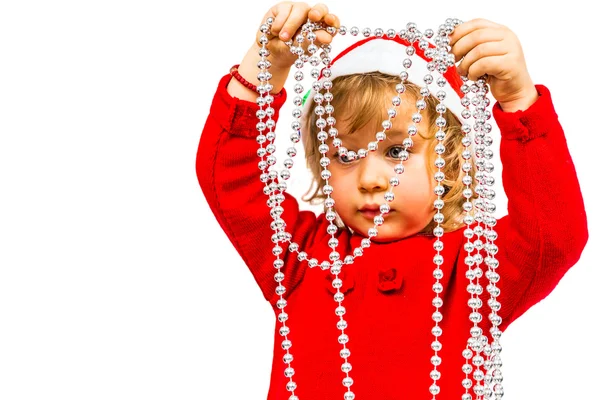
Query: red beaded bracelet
(234,72)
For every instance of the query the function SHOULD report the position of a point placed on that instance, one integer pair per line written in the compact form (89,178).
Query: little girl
(387,286)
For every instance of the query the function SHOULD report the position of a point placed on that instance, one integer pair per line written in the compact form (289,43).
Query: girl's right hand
(288,20)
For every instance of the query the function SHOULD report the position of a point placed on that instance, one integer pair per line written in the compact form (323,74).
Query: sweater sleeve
(545,230)
(228,173)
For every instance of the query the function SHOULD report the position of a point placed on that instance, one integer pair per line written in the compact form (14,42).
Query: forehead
(370,114)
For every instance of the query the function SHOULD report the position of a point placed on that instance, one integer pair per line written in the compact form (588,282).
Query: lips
(372,208)
(370,211)
(370,214)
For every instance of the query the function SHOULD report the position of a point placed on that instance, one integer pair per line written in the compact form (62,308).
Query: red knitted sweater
(388,290)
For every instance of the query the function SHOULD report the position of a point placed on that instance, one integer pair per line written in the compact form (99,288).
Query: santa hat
(387,55)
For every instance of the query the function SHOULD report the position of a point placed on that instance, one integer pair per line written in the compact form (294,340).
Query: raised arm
(545,230)
(227,161)
(227,170)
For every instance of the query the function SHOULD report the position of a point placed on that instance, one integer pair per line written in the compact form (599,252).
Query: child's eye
(343,159)
(395,151)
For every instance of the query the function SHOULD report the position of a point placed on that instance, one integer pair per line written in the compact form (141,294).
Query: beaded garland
(479,233)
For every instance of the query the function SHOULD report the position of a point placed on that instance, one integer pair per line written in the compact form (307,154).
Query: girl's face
(362,183)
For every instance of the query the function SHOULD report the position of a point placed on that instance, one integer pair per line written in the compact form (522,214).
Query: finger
(280,13)
(295,20)
(323,37)
(475,38)
(484,50)
(332,20)
(493,66)
(317,12)
(467,27)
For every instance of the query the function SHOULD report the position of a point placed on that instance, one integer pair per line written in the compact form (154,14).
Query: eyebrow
(396,132)
(390,134)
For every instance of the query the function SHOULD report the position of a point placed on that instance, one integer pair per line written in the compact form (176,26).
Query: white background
(116,282)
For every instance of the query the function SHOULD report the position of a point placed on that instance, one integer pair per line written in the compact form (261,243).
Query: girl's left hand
(493,49)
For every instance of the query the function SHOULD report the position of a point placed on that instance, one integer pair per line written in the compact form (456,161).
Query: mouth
(371,213)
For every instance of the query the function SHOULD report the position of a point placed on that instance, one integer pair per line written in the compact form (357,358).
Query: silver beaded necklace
(478,220)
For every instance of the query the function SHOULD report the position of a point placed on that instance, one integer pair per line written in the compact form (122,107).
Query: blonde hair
(373,102)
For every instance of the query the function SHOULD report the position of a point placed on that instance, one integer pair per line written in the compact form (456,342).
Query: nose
(374,173)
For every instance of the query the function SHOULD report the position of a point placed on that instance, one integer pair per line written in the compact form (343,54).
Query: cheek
(340,181)
(343,185)
(416,180)
(415,169)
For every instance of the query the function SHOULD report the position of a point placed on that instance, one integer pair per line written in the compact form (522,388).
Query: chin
(386,239)
(387,234)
